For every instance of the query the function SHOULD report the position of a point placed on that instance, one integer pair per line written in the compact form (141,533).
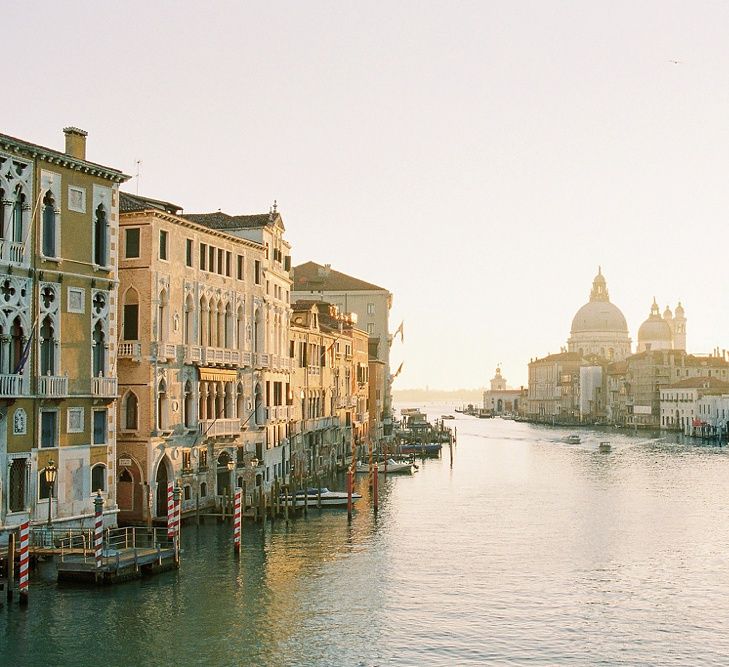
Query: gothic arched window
(49,225)
(100,233)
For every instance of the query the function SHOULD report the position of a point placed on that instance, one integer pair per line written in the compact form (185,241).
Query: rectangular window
(240,267)
(131,322)
(257,271)
(228,263)
(370,308)
(211,259)
(287,263)
(49,437)
(370,329)
(132,243)
(203,256)
(221,265)
(162,244)
(74,420)
(188,252)
(99,427)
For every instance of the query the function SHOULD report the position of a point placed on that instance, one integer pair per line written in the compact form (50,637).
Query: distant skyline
(477,159)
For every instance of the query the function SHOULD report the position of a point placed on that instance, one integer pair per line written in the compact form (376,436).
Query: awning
(218,375)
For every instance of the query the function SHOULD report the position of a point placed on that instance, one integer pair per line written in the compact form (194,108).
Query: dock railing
(118,544)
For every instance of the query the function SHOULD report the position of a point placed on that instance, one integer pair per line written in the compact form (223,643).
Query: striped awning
(218,375)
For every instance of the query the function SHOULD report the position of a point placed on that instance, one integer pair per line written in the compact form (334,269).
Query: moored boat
(392,467)
(311,497)
(421,449)
(573,439)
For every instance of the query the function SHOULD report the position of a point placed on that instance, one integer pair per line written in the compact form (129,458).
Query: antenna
(139,164)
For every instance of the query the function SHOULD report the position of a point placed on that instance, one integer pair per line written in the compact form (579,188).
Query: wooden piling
(318,492)
(375,487)
(262,505)
(349,495)
(197,508)
(285,490)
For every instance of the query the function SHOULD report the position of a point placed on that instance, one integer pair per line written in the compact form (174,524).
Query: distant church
(499,400)
(663,333)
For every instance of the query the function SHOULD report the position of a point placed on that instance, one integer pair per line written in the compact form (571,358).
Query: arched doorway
(223,476)
(161,480)
(499,406)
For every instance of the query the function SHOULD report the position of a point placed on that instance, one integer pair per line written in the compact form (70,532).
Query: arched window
(99,351)
(130,325)
(259,407)
(126,476)
(239,405)
(188,334)
(204,315)
(227,327)
(100,233)
(187,492)
(240,328)
(2,213)
(131,409)
(98,478)
(49,225)
(189,406)
(203,489)
(162,327)
(17,345)
(18,207)
(162,406)
(257,332)
(48,348)
(228,400)
(17,486)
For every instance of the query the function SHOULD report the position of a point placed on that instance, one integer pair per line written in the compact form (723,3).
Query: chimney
(75,142)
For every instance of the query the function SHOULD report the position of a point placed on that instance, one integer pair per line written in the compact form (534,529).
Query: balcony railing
(13,251)
(167,351)
(53,386)
(13,385)
(221,355)
(104,387)
(246,359)
(213,427)
(193,353)
(130,351)
(263,360)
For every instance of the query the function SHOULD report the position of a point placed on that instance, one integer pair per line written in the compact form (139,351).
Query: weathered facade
(58,331)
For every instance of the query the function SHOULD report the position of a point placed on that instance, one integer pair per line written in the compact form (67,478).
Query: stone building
(663,332)
(599,327)
(205,390)
(679,402)
(58,331)
(554,387)
(371,305)
(499,399)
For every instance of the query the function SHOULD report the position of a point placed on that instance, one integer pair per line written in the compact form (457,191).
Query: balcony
(246,359)
(13,251)
(53,386)
(130,351)
(167,351)
(13,385)
(222,356)
(219,427)
(193,354)
(104,387)
(263,360)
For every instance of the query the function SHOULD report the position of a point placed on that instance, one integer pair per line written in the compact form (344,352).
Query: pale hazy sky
(479,159)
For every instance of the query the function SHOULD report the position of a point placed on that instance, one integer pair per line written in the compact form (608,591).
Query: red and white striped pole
(24,562)
(177,493)
(98,531)
(237,519)
(171,514)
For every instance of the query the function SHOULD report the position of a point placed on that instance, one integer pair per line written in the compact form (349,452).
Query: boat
(605,448)
(573,439)
(447,417)
(392,467)
(310,497)
(431,449)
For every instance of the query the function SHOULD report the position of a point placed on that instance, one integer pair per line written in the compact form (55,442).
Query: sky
(478,159)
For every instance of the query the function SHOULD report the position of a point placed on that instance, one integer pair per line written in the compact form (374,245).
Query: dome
(667,314)
(599,314)
(655,328)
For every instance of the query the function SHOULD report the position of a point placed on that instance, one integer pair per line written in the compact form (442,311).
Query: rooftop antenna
(139,163)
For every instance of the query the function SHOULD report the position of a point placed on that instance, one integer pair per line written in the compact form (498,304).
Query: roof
(58,157)
(313,277)
(129,203)
(220,220)
(561,356)
(704,382)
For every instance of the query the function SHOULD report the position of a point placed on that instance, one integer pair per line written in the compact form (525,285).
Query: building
(599,327)
(370,303)
(58,331)
(680,403)
(554,387)
(712,417)
(663,332)
(499,399)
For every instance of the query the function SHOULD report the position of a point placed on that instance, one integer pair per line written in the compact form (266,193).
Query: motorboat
(389,467)
(447,417)
(605,448)
(311,496)
(573,439)
(430,449)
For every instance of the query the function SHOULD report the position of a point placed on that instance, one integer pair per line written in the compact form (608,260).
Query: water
(527,551)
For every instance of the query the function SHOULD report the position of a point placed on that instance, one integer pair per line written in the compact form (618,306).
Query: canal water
(523,550)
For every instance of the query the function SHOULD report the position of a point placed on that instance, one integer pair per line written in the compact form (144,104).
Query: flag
(26,352)
(399,330)
(397,372)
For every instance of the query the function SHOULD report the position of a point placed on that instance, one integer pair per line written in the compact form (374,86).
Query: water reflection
(526,550)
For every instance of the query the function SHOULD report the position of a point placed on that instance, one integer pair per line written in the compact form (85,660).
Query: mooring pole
(98,533)
(24,562)
(237,521)
(349,495)
(375,486)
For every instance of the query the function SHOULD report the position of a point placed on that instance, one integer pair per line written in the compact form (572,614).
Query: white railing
(168,350)
(13,385)
(246,359)
(263,360)
(221,355)
(193,353)
(105,387)
(13,251)
(212,427)
(130,351)
(53,386)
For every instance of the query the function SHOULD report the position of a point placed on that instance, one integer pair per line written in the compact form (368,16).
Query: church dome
(655,328)
(599,314)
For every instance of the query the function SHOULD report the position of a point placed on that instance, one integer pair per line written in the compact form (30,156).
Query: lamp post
(50,475)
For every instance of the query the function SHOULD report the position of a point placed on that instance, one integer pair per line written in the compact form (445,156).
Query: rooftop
(313,277)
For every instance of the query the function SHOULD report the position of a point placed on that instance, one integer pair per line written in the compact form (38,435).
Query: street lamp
(50,475)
